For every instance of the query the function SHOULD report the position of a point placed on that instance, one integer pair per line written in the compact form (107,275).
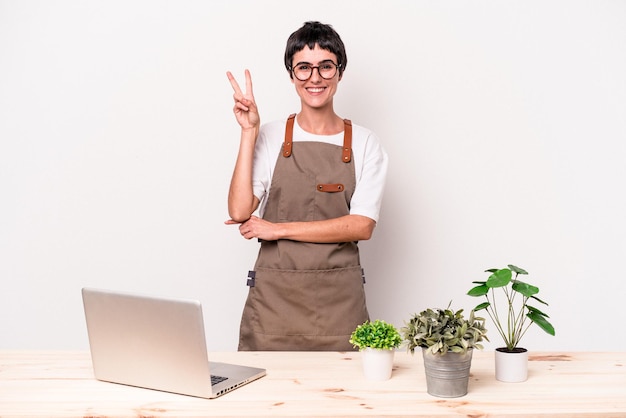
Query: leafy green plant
(513,320)
(378,334)
(443,330)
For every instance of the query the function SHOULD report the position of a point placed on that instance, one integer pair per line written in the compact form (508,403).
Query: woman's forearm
(343,229)
(241,200)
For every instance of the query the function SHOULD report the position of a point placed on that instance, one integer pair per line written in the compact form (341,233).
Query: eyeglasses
(326,69)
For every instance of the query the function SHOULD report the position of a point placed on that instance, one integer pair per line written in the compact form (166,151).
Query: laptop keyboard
(216,379)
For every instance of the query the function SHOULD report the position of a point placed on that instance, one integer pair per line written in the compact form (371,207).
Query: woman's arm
(343,229)
(241,200)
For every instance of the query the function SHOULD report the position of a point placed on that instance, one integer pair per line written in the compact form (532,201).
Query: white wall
(505,122)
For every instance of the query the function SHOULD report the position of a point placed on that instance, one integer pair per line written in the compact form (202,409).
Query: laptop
(156,343)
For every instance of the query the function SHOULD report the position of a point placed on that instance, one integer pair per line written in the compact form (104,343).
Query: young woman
(317,181)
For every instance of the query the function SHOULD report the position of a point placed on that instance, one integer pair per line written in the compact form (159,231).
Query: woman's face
(316,92)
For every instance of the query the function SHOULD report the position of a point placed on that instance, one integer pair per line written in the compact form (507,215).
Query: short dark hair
(310,34)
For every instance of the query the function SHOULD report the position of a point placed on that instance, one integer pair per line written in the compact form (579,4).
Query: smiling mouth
(315,89)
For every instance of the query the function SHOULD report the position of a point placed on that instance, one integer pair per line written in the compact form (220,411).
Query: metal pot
(447,375)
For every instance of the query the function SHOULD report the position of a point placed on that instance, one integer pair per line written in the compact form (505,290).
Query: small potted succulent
(377,342)
(512,315)
(447,340)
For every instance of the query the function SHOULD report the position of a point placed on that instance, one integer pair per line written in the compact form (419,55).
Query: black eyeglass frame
(313,67)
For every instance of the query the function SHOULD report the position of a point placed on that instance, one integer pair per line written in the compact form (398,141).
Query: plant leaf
(524,288)
(500,278)
(533,309)
(491,270)
(481,306)
(539,300)
(480,290)
(541,321)
(517,270)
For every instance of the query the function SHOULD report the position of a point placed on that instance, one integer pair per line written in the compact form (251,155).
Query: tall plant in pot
(377,342)
(512,315)
(447,340)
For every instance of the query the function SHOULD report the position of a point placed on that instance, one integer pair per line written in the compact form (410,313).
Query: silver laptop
(156,343)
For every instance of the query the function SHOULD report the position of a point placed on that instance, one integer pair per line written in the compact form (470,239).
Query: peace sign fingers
(249,84)
(245,107)
(239,95)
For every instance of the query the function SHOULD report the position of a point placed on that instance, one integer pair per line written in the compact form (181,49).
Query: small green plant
(517,315)
(378,334)
(443,330)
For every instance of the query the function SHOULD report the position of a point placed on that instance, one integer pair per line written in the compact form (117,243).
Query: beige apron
(306,296)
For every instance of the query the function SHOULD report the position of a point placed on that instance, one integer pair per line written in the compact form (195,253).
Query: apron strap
(287,145)
(346,152)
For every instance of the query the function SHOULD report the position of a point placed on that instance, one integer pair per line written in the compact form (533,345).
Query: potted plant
(512,316)
(377,342)
(447,340)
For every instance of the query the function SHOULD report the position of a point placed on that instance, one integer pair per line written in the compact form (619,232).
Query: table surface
(320,384)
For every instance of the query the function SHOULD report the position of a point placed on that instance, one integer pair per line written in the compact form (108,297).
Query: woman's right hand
(245,108)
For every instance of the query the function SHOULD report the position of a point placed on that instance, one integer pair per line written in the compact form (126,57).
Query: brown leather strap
(346,154)
(330,188)
(288,143)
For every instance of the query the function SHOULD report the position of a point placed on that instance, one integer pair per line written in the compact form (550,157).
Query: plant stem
(493,313)
(521,334)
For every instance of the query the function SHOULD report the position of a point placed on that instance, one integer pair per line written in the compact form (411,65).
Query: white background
(505,123)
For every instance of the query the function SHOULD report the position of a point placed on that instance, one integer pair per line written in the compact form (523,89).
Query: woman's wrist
(253,132)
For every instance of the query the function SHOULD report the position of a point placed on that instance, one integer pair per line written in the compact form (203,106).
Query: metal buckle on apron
(251,277)
(363,275)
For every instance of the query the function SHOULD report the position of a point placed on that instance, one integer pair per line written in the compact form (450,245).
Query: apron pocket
(341,301)
(308,302)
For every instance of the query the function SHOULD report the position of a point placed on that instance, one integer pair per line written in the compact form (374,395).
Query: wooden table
(330,384)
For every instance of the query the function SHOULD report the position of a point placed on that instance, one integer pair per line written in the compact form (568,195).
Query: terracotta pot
(511,366)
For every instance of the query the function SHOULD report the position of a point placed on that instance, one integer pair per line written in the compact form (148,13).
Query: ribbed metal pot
(447,375)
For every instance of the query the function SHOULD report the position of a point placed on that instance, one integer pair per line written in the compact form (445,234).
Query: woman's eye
(303,67)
